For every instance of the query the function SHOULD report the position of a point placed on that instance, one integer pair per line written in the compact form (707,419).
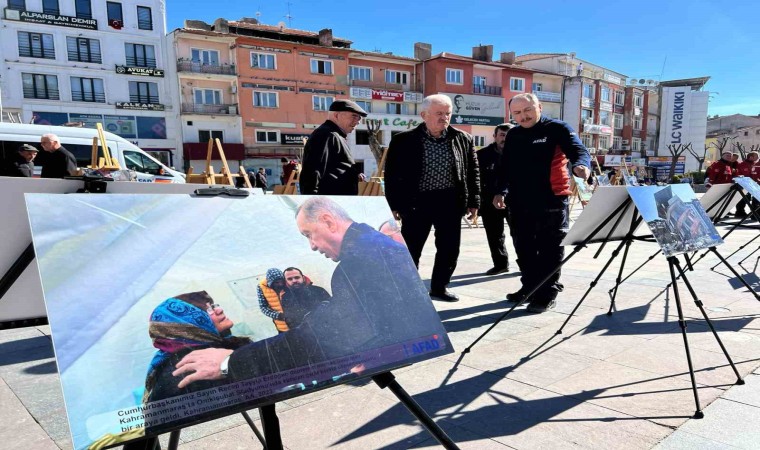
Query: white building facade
(88,62)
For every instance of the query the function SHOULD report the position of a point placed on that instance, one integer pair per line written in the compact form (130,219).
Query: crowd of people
(728,167)
(59,162)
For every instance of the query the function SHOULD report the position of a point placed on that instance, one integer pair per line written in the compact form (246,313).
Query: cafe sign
(137,106)
(50,19)
(142,71)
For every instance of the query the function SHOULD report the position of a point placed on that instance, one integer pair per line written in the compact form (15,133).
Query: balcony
(487,90)
(41,93)
(403,87)
(197,67)
(199,108)
(546,96)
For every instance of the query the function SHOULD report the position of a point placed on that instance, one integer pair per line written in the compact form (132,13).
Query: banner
(476,109)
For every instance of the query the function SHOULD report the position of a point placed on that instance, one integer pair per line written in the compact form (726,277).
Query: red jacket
(748,169)
(720,172)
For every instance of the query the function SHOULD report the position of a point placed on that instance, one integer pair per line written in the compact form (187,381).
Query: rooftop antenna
(289,17)
(663,67)
(258,15)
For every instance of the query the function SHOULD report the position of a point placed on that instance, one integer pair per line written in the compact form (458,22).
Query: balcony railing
(92,57)
(199,108)
(487,90)
(140,62)
(546,96)
(81,96)
(192,66)
(411,86)
(48,94)
(143,98)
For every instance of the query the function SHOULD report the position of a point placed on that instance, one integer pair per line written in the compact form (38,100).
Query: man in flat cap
(21,164)
(328,167)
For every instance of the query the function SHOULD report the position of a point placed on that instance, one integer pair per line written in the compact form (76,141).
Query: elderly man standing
(431,179)
(21,164)
(535,175)
(60,162)
(328,167)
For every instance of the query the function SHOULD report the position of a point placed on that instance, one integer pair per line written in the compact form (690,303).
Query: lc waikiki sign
(677,113)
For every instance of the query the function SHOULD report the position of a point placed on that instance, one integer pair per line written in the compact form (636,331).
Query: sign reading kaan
(51,19)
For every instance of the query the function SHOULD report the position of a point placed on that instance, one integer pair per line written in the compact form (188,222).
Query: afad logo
(423,346)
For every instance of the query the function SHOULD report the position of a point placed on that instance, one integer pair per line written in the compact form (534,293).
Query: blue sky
(720,39)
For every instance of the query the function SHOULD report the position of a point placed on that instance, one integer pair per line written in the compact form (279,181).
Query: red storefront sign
(392,96)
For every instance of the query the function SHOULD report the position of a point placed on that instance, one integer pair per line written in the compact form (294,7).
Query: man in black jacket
(60,162)
(328,167)
(21,164)
(489,161)
(431,179)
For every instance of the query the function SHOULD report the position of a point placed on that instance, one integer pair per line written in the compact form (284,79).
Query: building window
(321,102)
(144,18)
(87,90)
(479,141)
(454,76)
(538,87)
(40,86)
(397,108)
(638,101)
(359,73)
(50,7)
(143,92)
(367,106)
(18,5)
(605,94)
(263,61)
(115,15)
(83,9)
(321,66)
(265,99)
(205,57)
(207,96)
(636,145)
(636,122)
(604,118)
(36,45)
(478,81)
(205,135)
(618,121)
(517,84)
(396,77)
(267,137)
(587,140)
(617,142)
(588,91)
(604,142)
(620,98)
(587,116)
(83,49)
(140,55)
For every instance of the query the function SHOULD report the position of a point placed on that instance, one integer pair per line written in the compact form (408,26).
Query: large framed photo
(750,186)
(170,310)
(676,218)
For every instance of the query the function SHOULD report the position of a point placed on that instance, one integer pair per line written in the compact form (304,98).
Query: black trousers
(537,236)
(437,209)
(493,221)
(740,206)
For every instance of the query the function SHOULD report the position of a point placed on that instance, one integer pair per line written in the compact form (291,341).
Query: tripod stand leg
(736,274)
(613,292)
(651,257)
(386,379)
(255,430)
(699,304)
(682,323)
(174,440)
(747,257)
(593,284)
(271,425)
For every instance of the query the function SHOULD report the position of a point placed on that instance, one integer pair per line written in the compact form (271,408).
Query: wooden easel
(208,176)
(291,184)
(374,187)
(105,162)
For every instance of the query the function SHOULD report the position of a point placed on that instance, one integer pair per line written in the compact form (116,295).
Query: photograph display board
(584,190)
(137,285)
(603,203)
(749,185)
(677,220)
(713,200)
(603,180)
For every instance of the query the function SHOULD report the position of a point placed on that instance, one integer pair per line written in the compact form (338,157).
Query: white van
(79,142)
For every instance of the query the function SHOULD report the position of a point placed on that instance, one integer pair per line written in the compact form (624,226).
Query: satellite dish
(281,24)
(650,82)
(642,81)
(633,81)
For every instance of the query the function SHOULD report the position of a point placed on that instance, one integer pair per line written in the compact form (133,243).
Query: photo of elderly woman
(178,326)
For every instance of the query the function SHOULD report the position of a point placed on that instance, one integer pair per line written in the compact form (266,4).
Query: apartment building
(84,62)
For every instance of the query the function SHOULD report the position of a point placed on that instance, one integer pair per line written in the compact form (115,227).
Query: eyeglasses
(210,307)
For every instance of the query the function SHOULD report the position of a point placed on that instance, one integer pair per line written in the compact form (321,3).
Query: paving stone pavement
(617,382)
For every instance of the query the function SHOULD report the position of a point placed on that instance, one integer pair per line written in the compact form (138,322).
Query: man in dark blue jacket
(536,179)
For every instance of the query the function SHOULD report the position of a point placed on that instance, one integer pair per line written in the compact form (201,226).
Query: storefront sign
(142,71)
(476,109)
(140,106)
(616,160)
(393,122)
(293,139)
(591,128)
(270,87)
(392,96)
(662,165)
(51,19)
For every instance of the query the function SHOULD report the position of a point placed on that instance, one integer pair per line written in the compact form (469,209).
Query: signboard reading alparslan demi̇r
(157,290)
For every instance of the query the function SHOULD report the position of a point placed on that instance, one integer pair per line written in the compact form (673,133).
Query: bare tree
(675,151)
(754,148)
(700,158)
(739,147)
(720,144)
(373,129)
